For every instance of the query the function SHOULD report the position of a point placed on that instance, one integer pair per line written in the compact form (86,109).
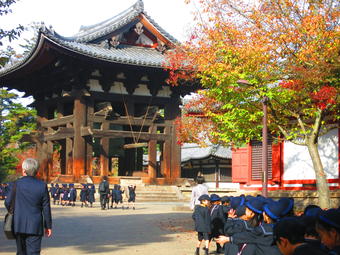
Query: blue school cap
(331,217)
(204,197)
(255,205)
(273,210)
(313,212)
(214,197)
(240,210)
(225,199)
(287,204)
(248,198)
(236,202)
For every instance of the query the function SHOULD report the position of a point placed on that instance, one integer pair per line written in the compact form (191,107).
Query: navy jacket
(261,237)
(308,249)
(91,192)
(232,227)
(83,194)
(217,220)
(201,216)
(32,210)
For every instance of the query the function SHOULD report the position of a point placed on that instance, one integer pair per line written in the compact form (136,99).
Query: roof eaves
(26,58)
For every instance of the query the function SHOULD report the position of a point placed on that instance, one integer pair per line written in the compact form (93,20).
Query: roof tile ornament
(139,28)
(160,46)
(114,41)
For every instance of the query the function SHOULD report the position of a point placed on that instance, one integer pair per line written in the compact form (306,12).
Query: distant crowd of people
(66,195)
(248,225)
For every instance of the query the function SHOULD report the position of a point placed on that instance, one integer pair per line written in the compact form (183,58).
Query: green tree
(11,34)
(16,120)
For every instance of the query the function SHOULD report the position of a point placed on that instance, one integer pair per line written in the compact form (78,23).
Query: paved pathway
(150,229)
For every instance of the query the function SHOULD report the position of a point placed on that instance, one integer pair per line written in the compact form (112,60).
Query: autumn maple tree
(242,51)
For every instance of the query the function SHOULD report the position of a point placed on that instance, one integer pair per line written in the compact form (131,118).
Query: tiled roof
(92,32)
(194,151)
(123,54)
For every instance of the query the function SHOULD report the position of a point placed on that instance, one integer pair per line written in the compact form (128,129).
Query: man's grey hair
(30,166)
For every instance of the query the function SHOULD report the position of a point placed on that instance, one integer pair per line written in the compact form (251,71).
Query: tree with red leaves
(244,51)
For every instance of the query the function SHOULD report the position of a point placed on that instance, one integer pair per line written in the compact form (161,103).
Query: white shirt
(197,191)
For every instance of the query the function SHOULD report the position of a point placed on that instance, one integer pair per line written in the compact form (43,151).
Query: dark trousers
(28,244)
(103,200)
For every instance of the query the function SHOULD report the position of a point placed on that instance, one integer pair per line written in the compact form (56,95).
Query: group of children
(117,194)
(66,195)
(247,225)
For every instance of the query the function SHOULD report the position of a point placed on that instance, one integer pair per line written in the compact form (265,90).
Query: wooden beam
(87,131)
(57,122)
(125,121)
(61,133)
(134,145)
(102,96)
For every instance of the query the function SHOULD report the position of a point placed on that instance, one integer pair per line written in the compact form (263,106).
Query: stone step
(157,193)
(157,199)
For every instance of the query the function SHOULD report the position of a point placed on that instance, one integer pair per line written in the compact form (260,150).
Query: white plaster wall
(94,85)
(298,164)
(118,88)
(142,90)
(223,185)
(164,92)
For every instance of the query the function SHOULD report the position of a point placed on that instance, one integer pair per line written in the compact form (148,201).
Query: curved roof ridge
(10,67)
(88,33)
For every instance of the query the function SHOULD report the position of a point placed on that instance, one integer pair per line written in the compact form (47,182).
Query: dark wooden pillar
(172,150)
(43,148)
(167,151)
(89,142)
(152,150)
(104,154)
(79,113)
(69,153)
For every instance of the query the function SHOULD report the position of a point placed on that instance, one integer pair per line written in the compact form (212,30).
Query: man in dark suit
(32,211)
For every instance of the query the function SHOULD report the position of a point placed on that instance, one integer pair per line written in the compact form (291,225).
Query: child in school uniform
(225,202)
(83,195)
(118,196)
(72,195)
(328,227)
(238,225)
(289,235)
(217,220)
(132,196)
(64,195)
(201,217)
(113,195)
(56,196)
(262,235)
(91,192)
